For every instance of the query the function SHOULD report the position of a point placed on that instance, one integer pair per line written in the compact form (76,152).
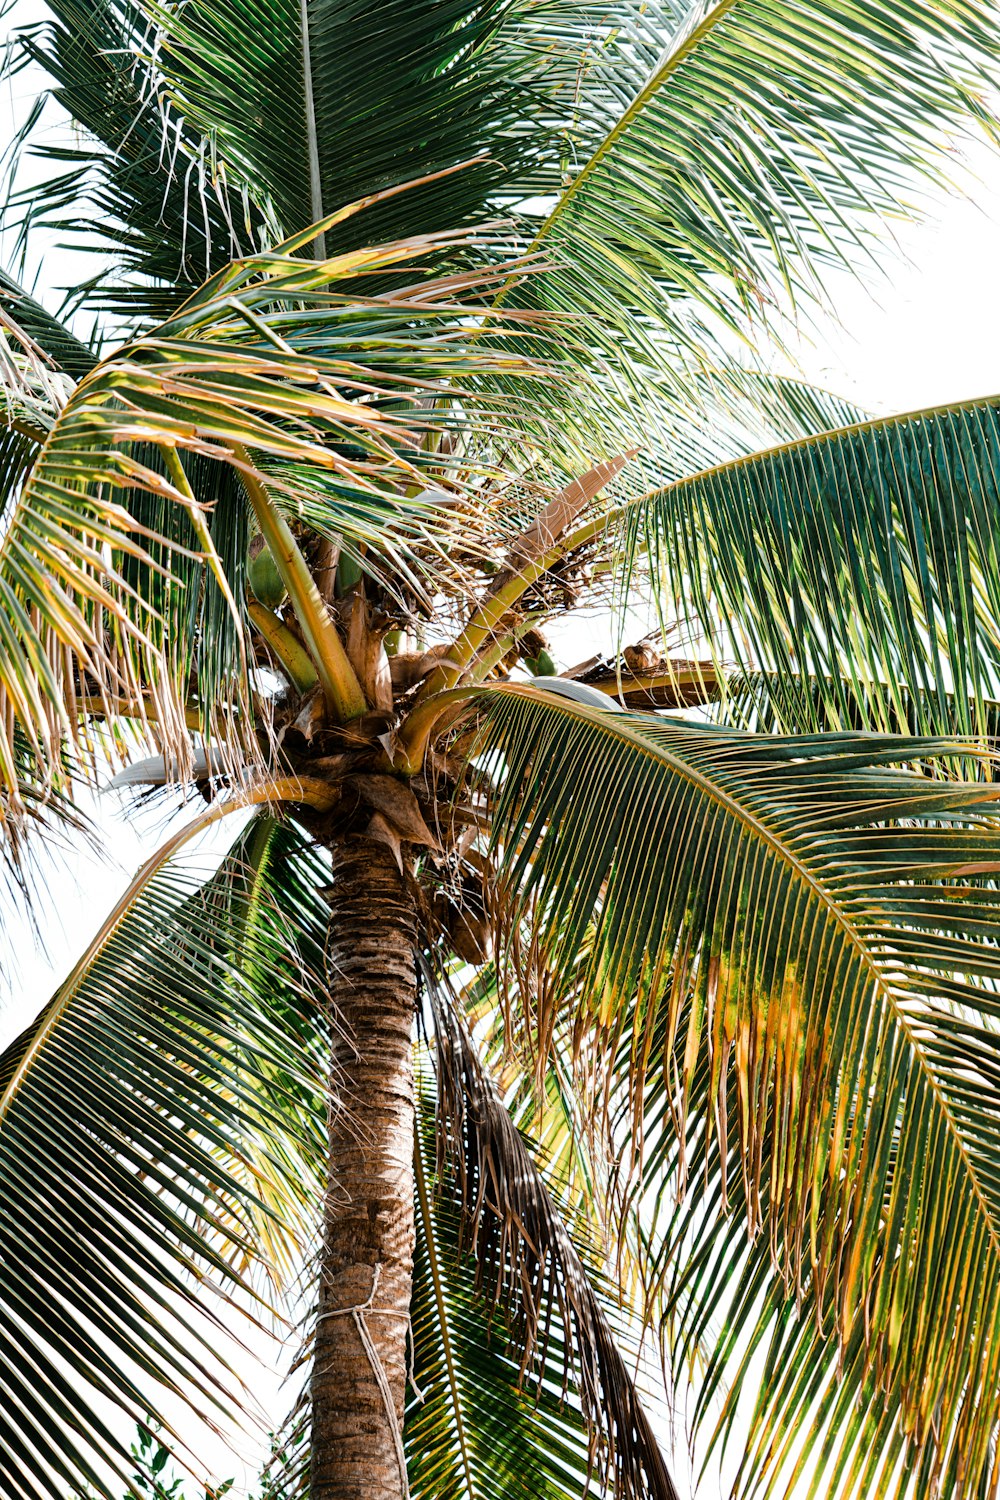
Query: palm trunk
(359,1379)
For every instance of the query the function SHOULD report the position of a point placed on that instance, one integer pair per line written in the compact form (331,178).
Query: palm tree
(419,327)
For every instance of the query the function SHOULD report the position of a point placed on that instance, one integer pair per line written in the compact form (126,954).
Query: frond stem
(26,429)
(143,709)
(413,735)
(670,65)
(483,624)
(289,651)
(340,684)
(312,135)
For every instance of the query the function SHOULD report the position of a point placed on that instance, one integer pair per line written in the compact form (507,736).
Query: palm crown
(418,332)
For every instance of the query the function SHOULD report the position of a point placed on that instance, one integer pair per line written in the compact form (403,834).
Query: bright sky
(927,333)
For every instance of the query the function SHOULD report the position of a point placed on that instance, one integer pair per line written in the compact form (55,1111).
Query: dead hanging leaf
(395,802)
(471,935)
(311,716)
(384,832)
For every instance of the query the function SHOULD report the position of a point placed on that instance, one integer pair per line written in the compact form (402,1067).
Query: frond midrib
(815,440)
(423,1197)
(819,891)
(670,65)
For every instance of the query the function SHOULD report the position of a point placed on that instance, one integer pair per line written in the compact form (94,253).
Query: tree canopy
(419,327)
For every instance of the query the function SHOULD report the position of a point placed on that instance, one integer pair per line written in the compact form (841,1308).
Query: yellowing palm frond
(804,938)
(122,566)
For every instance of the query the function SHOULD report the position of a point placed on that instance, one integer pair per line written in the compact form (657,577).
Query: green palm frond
(519,92)
(724,415)
(814,930)
(771,1382)
(792,408)
(73,627)
(155,196)
(855,570)
(763,703)
(148,1132)
(589,61)
(67,352)
(17,453)
(758,136)
(262,912)
(312,128)
(29,389)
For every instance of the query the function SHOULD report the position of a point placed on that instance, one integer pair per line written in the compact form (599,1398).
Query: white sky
(927,333)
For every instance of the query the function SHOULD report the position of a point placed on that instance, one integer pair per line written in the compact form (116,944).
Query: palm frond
(815,931)
(705,419)
(17,453)
(63,348)
(262,911)
(312,132)
(762,703)
(589,62)
(854,569)
(144,1134)
(759,136)
(546,1112)
(519,92)
(528,1269)
(157,200)
(259,371)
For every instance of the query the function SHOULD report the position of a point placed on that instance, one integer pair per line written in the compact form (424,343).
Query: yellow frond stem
(336,675)
(289,651)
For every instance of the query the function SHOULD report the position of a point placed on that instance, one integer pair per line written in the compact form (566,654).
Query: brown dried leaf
(394,801)
(385,832)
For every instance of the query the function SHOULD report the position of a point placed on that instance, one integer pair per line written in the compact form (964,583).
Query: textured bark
(368,1220)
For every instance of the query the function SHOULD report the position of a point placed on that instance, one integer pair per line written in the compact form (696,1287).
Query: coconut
(265,580)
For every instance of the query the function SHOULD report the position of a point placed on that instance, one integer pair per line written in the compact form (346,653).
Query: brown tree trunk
(359,1377)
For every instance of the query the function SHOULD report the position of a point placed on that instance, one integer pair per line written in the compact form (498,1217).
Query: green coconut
(265,580)
(541,665)
(348,574)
